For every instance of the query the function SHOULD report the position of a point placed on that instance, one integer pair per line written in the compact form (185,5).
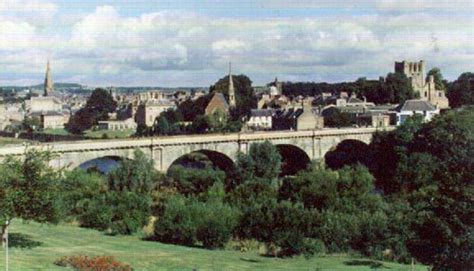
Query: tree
(461,91)
(187,221)
(31,124)
(137,175)
(244,94)
(438,78)
(97,108)
(217,121)
(444,205)
(162,126)
(263,161)
(125,205)
(195,181)
(399,87)
(29,189)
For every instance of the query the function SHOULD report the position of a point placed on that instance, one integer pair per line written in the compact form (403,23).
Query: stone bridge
(220,148)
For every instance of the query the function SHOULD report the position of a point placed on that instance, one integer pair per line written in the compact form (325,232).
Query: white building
(415,107)
(118,125)
(260,119)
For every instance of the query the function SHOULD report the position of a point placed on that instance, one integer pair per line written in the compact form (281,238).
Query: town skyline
(182,44)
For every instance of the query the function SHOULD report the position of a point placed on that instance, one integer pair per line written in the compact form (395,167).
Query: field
(11,140)
(36,247)
(94,134)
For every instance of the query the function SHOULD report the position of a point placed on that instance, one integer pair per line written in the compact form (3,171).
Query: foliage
(348,153)
(78,187)
(96,263)
(137,175)
(387,150)
(31,124)
(440,83)
(193,181)
(461,91)
(244,94)
(262,161)
(97,108)
(187,221)
(395,88)
(162,126)
(338,119)
(29,189)
(125,205)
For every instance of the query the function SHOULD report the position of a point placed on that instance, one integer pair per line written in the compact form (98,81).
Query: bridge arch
(103,164)
(202,158)
(293,159)
(347,152)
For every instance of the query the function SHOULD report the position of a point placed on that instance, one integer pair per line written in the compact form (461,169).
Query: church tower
(231,91)
(48,81)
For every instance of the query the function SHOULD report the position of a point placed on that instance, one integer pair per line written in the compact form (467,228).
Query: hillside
(36,247)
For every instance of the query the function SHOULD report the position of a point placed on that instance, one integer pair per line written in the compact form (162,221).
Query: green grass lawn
(93,134)
(10,140)
(36,247)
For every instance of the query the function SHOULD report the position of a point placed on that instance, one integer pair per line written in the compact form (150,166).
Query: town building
(298,118)
(147,112)
(260,119)
(415,71)
(217,102)
(415,107)
(118,125)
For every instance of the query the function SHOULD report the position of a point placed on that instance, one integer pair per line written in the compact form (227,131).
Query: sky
(187,43)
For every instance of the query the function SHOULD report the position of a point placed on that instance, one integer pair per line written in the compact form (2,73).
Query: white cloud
(104,45)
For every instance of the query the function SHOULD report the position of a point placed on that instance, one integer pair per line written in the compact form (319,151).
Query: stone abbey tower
(415,71)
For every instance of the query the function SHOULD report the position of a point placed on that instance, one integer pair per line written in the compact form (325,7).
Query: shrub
(96,263)
(119,212)
(194,181)
(187,221)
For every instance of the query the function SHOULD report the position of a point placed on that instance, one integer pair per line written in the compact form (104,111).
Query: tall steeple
(48,81)
(231,91)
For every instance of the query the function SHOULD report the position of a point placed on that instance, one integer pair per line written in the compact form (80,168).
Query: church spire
(231,91)
(48,81)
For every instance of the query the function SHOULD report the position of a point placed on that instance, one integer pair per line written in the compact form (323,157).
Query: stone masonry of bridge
(165,150)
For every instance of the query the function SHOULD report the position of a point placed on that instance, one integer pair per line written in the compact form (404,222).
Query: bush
(187,221)
(96,263)
(193,181)
(119,212)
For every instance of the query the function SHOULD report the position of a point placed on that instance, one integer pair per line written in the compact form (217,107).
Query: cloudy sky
(189,42)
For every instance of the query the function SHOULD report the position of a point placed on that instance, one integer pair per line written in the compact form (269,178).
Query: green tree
(399,87)
(136,175)
(217,121)
(194,181)
(187,221)
(29,189)
(461,91)
(444,205)
(244,94)
(162,126)
(262,161)
(31,124)
(438,78)
(97,108)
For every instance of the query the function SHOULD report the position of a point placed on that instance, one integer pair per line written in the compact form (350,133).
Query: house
(305,118)
(373,119)
(118,125)
(148,111)
(415,107)
(52,120)
(260,119)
